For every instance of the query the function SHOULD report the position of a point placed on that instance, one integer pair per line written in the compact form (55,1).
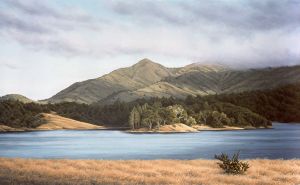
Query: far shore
(134,172)
(6,129)
(53,121)
(167,129)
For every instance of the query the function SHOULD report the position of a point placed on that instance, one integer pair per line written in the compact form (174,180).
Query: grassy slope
(140,75)
(149,79)
(261,172)
(56,122)
(212,80)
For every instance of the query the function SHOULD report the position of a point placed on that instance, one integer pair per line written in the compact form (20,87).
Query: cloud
(251,15)
(10,66)
(243,33)
(40,26)
(149,11)
(254,14)
(32,8)
(230,31)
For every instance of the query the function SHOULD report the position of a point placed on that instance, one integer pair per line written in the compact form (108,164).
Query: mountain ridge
(147,79)
(137,76)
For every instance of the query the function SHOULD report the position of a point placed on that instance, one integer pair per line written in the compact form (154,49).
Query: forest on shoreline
(256,109)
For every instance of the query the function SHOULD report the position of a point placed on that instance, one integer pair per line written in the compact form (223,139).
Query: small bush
(233,165)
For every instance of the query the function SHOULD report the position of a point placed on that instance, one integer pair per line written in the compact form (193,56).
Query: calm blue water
(281,142)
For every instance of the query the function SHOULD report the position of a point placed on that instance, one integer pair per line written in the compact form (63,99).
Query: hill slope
(56,122)
(140,75)
(148,79)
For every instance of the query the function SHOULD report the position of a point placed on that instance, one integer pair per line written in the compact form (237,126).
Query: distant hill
(16,97)
(149,79)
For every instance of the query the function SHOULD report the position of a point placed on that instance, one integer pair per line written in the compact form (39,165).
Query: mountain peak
(145,61)
(146,71)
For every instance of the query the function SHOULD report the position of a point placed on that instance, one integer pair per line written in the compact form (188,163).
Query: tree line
(256,108)
(216,115)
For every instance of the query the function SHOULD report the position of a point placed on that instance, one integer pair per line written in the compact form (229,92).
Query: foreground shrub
(233,165)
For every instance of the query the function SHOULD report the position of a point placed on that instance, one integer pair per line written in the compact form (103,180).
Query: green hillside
(148,79)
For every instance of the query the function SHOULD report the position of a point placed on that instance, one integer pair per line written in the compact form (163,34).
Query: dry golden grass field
(131,172)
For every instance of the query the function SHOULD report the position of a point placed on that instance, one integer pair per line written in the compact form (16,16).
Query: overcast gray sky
(48,45)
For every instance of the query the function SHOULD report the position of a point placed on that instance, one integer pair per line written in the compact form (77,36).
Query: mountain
(229,81)
(16,97)
(149,79)
(138,76)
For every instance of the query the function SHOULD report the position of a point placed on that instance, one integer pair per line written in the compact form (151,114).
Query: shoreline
(19,130)
(125,172)
(198,128)
(125,129)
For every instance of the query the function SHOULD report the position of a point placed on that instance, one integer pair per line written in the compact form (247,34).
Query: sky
(48,45)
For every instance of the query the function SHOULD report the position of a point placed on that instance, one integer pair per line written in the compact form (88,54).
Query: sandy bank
(208,128)
(4,128)
(174,128)
(134,172)
(182,128)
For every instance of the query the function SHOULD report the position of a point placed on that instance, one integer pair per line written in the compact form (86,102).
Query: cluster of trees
(216,115)
(219,114)
(255,108)
(153,116)
(17,114)
(115,115)
(281,104)
(213,118)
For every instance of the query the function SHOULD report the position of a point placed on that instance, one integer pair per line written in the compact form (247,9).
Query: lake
(283,141)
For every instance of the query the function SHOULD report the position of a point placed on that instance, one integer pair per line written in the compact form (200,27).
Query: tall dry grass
(179,172)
